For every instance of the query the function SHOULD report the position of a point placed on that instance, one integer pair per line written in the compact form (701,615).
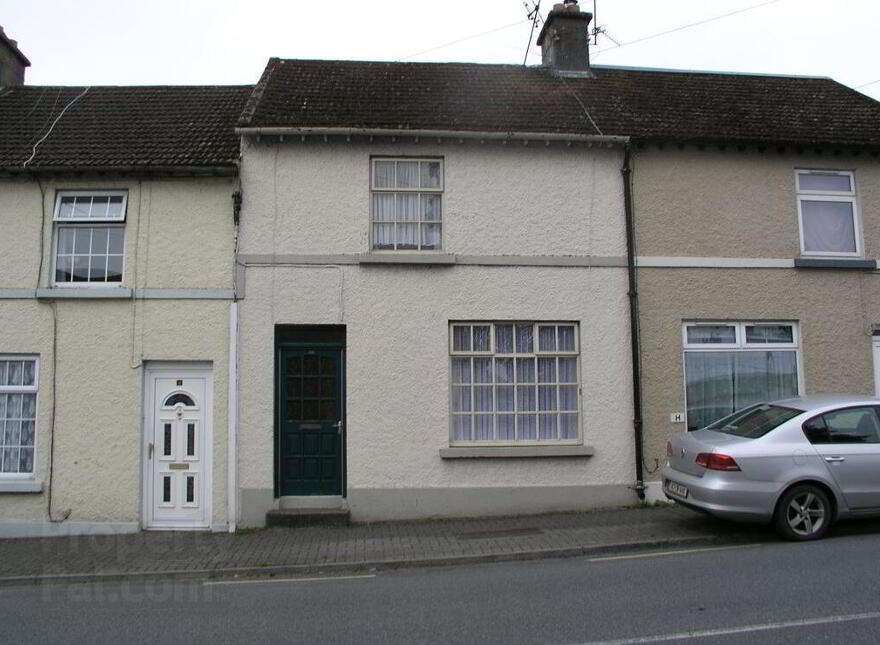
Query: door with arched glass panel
(176,453)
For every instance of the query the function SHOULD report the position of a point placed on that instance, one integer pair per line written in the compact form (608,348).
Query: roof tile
(645,104)
(140,127)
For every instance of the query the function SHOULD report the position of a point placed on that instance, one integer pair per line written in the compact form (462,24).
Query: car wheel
(803,513)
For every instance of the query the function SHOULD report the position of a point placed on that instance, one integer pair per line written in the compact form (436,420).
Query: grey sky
(123,42)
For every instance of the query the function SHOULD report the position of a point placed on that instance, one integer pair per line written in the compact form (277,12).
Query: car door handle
(832,460)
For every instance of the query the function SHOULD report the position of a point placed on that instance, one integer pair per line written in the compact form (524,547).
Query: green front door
(310,407)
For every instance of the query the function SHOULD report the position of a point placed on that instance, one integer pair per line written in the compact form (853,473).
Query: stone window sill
(23,486)
(514,452)
(835,263)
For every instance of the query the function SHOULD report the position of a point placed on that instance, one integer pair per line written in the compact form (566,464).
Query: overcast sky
(126,42)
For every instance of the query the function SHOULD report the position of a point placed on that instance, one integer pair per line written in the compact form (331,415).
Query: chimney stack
(12,62)
(564,39)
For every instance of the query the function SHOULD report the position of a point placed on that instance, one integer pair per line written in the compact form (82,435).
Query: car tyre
(803,513)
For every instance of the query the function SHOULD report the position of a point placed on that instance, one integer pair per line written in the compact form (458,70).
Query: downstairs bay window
(730,365)
(514,383)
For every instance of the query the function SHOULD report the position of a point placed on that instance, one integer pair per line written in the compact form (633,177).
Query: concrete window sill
(835,263)
(85,292)
(406,258)
(12,486)
(514,452)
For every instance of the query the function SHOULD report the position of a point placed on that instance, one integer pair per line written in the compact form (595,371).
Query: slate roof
(120,127)
(644,104)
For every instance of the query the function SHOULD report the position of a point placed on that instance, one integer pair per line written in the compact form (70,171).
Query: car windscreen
(755,421)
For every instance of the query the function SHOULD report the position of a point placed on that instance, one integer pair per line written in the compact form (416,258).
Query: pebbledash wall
(717,238)
(513,217)
(179,247)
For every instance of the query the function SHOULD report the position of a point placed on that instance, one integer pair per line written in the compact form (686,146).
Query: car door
(848,439)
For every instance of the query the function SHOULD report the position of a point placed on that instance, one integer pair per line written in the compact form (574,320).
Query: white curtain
(719,383)
(828,226)
(383,211)
(407,174)
(407,211)
(384,174)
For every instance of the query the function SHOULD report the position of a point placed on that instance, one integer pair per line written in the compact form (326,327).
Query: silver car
(801,463)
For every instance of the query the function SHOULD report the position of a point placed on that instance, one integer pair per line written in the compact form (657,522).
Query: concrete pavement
(366,546)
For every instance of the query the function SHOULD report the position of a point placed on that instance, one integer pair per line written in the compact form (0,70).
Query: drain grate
(500,533)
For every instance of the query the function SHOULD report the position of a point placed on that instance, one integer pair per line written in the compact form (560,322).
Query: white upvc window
(828,213)
(406,210)
(514,383)
(89,237)
(731,365)
(19,381)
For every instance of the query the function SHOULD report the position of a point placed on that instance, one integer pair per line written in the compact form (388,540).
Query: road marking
(277,580)
(708,633)
(658,554)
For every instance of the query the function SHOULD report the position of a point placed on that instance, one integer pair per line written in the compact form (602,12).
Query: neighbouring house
(432,265)
(116,295)
(757,212)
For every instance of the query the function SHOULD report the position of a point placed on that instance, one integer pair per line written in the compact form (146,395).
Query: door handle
(833,460)
(150,450)
(338,425)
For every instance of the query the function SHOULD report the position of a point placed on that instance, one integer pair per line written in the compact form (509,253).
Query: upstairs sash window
(407,204)
(89,237)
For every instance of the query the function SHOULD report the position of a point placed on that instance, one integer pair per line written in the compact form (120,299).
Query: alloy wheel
(806,514)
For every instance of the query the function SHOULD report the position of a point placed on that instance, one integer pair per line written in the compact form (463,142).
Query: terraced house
(432,265)
(436,257)
(757,211)
(116,283)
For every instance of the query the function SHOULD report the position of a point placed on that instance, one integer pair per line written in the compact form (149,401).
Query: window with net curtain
(407,204)
(18,414)
(828,213)
(729,366)
(514,382)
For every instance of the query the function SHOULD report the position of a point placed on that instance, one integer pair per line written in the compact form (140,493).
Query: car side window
(850,425)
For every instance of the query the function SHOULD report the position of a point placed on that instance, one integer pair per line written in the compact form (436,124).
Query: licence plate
(676,489)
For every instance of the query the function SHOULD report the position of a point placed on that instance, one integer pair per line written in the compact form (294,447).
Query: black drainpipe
(633,294)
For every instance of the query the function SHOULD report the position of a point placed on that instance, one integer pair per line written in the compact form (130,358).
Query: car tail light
(714,461)
(668,448)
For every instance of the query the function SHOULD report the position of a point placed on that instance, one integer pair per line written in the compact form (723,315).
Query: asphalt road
(771,592)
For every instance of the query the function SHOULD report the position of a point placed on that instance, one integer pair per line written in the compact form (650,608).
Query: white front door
(876,366)
(178,442)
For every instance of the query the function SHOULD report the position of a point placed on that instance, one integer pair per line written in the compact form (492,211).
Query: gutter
(626,172)
(182,171)
(444,134)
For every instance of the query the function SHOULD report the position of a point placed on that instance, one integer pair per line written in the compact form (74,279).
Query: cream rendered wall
(179,234)
(499,200)
(709,203)
(314,200)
